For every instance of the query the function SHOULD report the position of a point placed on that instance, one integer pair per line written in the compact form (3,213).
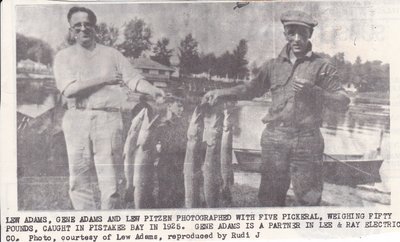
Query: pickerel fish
(213,122)
(144,163)
(129,153)
(226,156)
(193,160)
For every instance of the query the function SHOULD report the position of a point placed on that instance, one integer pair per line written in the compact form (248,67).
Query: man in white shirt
(89,76)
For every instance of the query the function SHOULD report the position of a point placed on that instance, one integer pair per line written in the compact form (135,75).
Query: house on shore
(159,75)
(30,66)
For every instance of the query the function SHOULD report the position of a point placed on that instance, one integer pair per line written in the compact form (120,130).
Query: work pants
(93,138)
(291,155)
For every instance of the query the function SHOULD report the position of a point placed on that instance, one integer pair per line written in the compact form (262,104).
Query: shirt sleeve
(63,72)
(260,83)
(130,75)
(329,79)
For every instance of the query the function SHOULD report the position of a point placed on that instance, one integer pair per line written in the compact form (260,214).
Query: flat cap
(298,18)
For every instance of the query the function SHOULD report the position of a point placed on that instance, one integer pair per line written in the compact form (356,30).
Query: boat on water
(339,169)
(344,162)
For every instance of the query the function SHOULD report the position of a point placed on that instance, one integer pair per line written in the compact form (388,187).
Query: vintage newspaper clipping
(199,120)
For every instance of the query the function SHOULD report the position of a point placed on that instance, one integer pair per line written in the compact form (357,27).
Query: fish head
(227,119)
(147,131)
(138,119)
(131,138)
(196,124)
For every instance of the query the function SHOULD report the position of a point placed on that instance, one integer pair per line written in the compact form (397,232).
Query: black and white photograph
(199,120)
(202,105)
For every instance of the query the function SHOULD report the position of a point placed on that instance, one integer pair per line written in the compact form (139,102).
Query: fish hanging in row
(193,160)
(129,153)
(213,121)
(214,167)
(144,163)
(226,156)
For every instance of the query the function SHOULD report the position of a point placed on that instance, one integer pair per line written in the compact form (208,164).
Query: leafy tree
(375,76)
(161,52)
(356,69)
(107,35)
(231,65)
(23,44)
(358,61)
(137,38)
(254,69)
(239,67)
(371,76)
(357,66)
(34,49)
(338,59)
(189,59)
(384,84)
(224,65)
(208,64)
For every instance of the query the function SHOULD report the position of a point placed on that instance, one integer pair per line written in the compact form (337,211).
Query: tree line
(137,39)
(33,49)
(137,35)
(370,76)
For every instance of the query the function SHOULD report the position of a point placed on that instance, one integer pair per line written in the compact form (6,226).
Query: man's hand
(155,92)
(113,80)
(158,95)
(212,97)
(301,85)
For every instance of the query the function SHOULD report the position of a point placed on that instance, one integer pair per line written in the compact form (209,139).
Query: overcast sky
(357,29)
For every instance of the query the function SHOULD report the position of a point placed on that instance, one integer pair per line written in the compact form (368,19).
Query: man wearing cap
(89,76)
(301,84)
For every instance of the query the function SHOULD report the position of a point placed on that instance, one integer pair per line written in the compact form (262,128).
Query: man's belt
(281,124)
(290,125)
(99,109)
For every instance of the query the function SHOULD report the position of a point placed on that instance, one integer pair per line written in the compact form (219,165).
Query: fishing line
(353,167)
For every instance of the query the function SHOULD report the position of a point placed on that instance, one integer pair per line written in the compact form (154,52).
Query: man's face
(82,29)
(297,37)
(176,108)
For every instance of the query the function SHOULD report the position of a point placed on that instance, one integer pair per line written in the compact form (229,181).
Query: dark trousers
(171,191)
(291,155)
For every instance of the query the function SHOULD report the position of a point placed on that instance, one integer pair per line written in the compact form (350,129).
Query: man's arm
(334,100)
(72,84)
(80,87)
(214,96)
(337,100)
(256,87)
(328,87)
(135,81)
(334,96)
(144,86)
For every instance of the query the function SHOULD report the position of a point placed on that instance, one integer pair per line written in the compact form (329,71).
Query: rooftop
(147,63)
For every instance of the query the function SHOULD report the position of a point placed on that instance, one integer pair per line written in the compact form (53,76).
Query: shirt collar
(82,51)
(285,53)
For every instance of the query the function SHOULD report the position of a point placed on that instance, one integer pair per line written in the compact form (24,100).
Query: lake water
(355,132)
(358,131)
